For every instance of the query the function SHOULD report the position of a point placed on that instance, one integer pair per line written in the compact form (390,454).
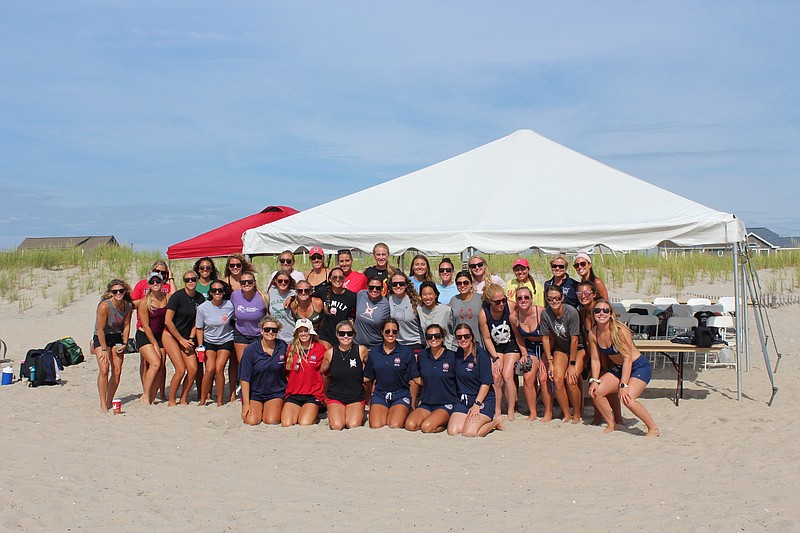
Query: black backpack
(703,337)
(46,363)
(67,351)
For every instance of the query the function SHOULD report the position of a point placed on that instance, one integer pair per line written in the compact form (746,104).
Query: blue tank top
(531,344)
(611,350)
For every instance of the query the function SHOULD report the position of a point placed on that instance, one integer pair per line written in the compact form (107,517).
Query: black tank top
(347,376)
(500,331)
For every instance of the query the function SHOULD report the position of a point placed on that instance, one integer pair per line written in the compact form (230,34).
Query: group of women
(423,355)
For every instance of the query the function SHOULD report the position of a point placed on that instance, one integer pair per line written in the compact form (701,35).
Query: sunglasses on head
(117,291)
(463,336)
(162,272)
(374,287)
(476,265)
(432,336)
(217,290)
(346,333)
(270,330)
(286,261)
(190,280)
(558,267)
(316,257)
(445,270)
(580,264)
(602,310)
(390,332)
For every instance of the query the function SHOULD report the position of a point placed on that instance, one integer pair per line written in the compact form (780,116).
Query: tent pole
(738,311)
(761,317)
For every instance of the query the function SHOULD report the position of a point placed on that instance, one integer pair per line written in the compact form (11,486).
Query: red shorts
(330,401)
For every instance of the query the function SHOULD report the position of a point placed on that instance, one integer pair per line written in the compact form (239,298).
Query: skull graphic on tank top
(501,333)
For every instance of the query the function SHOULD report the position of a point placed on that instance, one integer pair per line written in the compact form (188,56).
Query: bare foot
(653,433)
(565,419)
(511,416)
(532,418)
(172,404)
(609,429)
(144,400)
(576,420)
(547,417)
(499,426)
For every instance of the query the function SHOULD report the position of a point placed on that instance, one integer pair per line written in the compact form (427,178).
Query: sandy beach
(720,465)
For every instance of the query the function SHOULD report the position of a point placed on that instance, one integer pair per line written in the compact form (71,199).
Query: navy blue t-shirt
(265,373)
(470,374)
(391,372)
(438,377)
(569,288)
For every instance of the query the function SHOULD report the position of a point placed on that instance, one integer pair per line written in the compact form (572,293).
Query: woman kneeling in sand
(262,375)
(631,371)
(304,388)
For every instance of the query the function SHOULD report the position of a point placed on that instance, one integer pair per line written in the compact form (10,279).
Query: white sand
(720,465)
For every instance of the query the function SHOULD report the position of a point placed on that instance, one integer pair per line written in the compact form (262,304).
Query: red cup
(201,353)
(116,404)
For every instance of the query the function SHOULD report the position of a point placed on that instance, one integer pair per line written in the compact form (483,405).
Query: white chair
(728,304)
(627,303)
(650,308)
(664,301)
(644,325)
(724,326)
(682,310)
(618,308)
(697,303)
(716,309)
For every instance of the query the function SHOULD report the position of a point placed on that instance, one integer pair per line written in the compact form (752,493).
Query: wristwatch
(623,385)
(573,363)
(479,404)
(494,359)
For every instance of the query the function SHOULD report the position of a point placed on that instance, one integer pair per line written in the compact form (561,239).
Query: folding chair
(725,328)
(682,310)
(650,308)
(728,304)
(680,324)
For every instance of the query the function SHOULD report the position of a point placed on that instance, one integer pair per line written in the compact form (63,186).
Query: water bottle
(33,376)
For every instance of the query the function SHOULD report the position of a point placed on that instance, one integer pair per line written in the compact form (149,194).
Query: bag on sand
(67,351)
(48,371)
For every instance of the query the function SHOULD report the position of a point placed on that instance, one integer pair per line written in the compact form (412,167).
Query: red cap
(523,262)
(316,250)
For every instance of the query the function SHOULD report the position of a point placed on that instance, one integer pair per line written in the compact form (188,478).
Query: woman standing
(372,309)
(523,278)
(262,375)
(206,272)
(235,266)
(560,328)
(179,336)
(583,266)
(447,288)
(111,331)
(249,307)
(304,389)
(151,310)
(353,280)
(437,377)
(345,396)
(318,274)
(403,303)
(215,334)
(526,320)
(502,344)
(560,279)
(432,312)
(305,305)
(628,377)
(467,305)
(391,367)
(474,413)
(420,271)
(481,274)
(280,289)
(339,304)
(382,268)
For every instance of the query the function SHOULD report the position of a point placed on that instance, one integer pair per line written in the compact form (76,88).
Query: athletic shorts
(433,407)
(330,401)
(262,398)
(238,338)
(302,399)
(466,401)
(142,340)
(640,369)
(112,339)
(390,399)
(217,347)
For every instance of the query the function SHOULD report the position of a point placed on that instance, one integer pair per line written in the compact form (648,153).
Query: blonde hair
(487,273)
(107,294)
(296,349)
(617,328)
(492,288)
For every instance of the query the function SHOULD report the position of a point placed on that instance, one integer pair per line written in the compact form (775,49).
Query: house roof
(772,239)
(84,243)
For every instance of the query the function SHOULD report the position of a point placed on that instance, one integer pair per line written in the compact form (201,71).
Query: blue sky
(155,121)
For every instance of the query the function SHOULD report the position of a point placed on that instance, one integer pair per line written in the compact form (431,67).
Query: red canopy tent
(227,239)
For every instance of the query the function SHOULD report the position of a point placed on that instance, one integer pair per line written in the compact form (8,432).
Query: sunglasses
(303,291)
(477,265)
(464,337)
(463,283)
(398,284)
(500,301)
(155,281)
(432,336)
(247,282)
(445,270)
(581,264)
(345,251)
(347,333)
(316,257)
(337,278)
(584,293)
(269,330)
(190,280)
(235,265)
(602,310)
(117,291)
(558,267)
(390,332)
(282,281)
(523,298)
(556,299)
(217,291)
(374,288)
(286,261)
(204,268)
(162,272)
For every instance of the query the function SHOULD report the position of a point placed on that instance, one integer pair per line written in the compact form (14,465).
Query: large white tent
(518,192)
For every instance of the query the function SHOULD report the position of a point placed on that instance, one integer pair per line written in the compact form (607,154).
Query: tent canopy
(512,194)
(227,239)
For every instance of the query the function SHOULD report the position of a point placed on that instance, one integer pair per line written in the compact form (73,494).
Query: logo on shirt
(313,358)
(281,358)
(470,366)
(396,361)
(407,400)
(501,333)
(352,363)
(561,330)
(445,367)
(224,318)
(369,311)
(465,314)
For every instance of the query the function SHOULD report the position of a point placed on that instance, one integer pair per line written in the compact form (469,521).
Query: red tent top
(227,239)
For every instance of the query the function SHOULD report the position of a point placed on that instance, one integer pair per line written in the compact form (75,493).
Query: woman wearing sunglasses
(372,308)
(403,303)
(420,271)
(629,375)
(111,331)
(432,312)
(280,289)
(304,386)
(318,275)
(447,288)
(523,278)
(437,377)
(391,367)
(344,363)
(560,279)
(249,307)
(206,272)
(286,265)
(467,305)
(305,305)
(502,342)
(474,412)
(262,375)
(583,266)
(179,336)
(339,304)
(151,310)
(481,275)
(235,266)
(560,328)
(215,334)
(526,320)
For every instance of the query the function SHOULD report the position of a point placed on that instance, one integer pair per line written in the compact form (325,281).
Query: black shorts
(112,339)
(142,340)
(302,399)
(217,347)
(239,338)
